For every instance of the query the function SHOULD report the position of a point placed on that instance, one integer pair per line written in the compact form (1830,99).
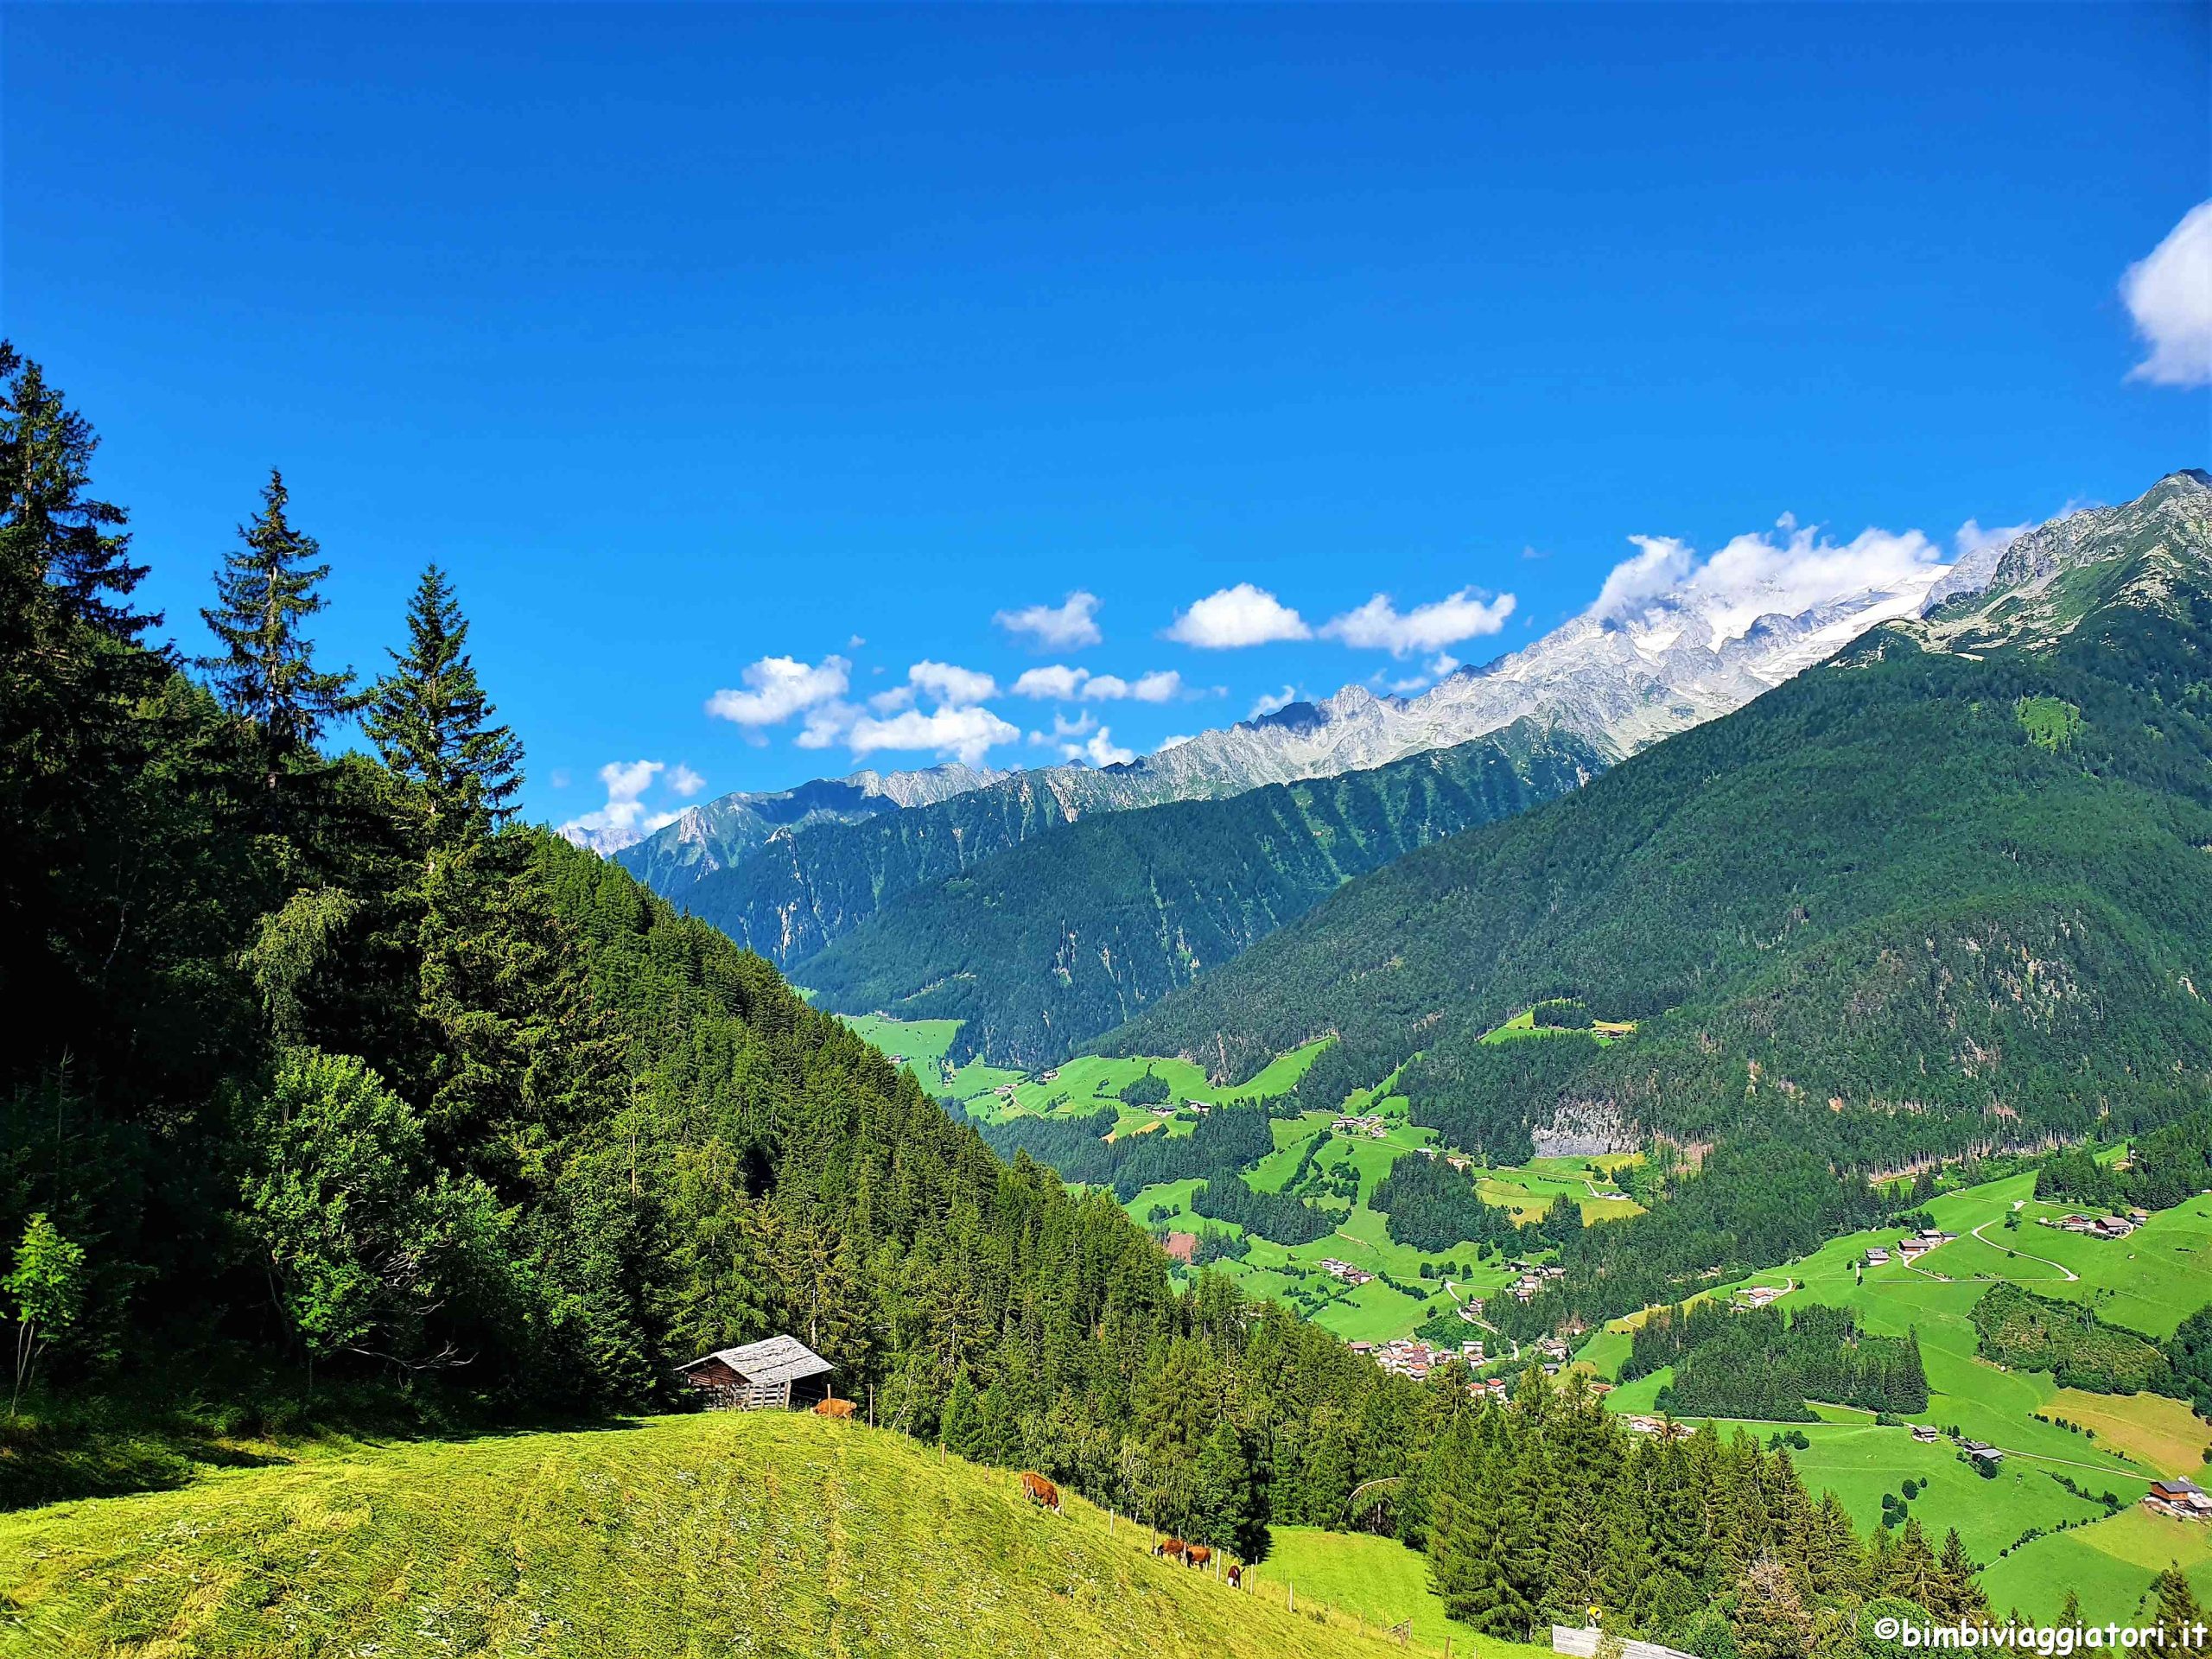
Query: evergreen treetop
(265,672)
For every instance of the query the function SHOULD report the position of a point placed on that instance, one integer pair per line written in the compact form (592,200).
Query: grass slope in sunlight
(760,1534)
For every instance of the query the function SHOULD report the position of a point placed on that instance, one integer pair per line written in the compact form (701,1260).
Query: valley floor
(2035,1538)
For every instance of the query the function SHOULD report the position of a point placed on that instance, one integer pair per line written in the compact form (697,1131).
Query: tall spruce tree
(438,732)
(265,672)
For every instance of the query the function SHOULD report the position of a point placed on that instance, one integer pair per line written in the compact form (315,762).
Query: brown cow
(840,1409)
(1041,1491)
(1172,1548)
(1196,1555)
(1235,1576)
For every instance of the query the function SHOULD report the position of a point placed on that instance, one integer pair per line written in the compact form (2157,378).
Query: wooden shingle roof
(777,1360)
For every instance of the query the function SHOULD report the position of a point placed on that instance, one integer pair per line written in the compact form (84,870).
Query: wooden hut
(774,1374)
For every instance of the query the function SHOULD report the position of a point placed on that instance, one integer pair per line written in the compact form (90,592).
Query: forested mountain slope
(324,1080)
(1916,899)
(1071,932)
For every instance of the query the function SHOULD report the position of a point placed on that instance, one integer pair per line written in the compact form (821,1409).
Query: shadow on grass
(70,1443)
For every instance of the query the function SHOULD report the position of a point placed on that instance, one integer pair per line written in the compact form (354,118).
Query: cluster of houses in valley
(1410,1356)
(1761,1295)
(1533,1279)
(1368,1124)
(2184,1500)
(1345,1271)
(1665,1427)
(2098,1226)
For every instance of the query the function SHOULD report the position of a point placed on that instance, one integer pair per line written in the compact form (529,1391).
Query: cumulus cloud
(1378,626)
(963,734)
(898,698)
(1066,627)
(1756,575)
(2169,297)
(1442,664)
(1056,682)
(943,682)
(1268,701)
(1101,751)
(1242,615)
(776,688)
(685,783)
(624,819)
(1062,683)
(1973,542)
(1175,742)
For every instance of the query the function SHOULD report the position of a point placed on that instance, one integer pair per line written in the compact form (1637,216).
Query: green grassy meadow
(765,1534)
(1373,1311)
(2159,1275)
(1377,1580)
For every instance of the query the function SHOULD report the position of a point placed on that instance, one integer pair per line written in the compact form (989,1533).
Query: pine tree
(436,728)
(265,672)
(2180,1616)
(2069,1610)
(1958,1596)
(1770,1621)
(1228,1505)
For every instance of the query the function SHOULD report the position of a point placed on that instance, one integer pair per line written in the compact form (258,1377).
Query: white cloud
(964,735)
(779,687)
(1442,664)
(1063,727)
(1268,701)
(1163,685)
(1464,616)
(1756,575)
(1101,751)
(1055,681)
(1066,627)
(2169,297)
(1242,615)
(1972,540)
(685,782)
(1175,742)
(624,819)
(898,698)
(943,682)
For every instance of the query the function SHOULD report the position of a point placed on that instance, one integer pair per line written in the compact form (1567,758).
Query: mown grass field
(2153,1429)
(765,1533)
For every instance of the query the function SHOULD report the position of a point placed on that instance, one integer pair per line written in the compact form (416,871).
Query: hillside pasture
(2109,1564)
(764,1532)
(2153,1430)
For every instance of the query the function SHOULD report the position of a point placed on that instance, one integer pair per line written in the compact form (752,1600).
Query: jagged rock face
(706,838)
(2136,555)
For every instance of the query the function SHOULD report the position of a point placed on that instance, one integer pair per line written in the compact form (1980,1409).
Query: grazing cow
(1172,1548)
(1041,1491)
(1196,1555)
(840,1409)
(1235,1576)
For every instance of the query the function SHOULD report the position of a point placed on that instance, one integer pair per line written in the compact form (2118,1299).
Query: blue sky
(693,340)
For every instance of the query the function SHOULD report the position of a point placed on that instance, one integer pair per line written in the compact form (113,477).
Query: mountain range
(790,874)
(1950,888)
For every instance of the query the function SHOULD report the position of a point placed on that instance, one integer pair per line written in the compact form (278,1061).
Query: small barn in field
(769,1376)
